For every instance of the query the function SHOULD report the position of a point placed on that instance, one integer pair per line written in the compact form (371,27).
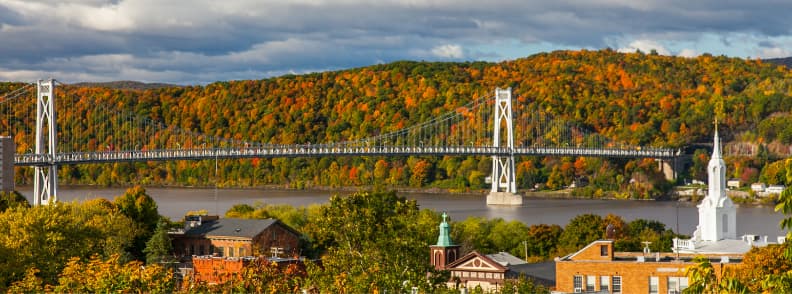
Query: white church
(716,232)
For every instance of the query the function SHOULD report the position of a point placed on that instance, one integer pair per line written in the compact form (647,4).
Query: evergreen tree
(159,247)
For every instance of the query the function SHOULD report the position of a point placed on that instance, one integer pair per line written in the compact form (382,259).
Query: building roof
(477,262)
(232,227)
(542,272)
(505,259)
(443,238)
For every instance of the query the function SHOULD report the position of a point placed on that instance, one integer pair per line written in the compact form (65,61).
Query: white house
(775,189)
(758,187)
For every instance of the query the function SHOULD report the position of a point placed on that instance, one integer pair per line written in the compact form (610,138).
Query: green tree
(543,239)
(142,209)
(46,237)
(373,241)
(12,199)
(581,230)
(159,247)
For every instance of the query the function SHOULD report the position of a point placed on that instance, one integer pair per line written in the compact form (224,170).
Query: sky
(202,41)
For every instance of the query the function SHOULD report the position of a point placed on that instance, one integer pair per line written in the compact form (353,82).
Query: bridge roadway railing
(271,151)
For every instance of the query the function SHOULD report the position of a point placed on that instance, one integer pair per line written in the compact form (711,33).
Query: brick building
(597,268)
(229,237)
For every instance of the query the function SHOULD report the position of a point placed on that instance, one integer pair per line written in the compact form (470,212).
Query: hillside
(785,61)
(640,99)
(124,85)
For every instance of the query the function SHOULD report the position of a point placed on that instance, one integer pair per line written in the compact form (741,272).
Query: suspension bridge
(97,131)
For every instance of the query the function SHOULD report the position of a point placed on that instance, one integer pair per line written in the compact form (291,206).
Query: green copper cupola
(444,239)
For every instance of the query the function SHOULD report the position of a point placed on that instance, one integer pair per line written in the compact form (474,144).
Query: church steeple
(443,239)
(444,252)
(717,213)
(716,170)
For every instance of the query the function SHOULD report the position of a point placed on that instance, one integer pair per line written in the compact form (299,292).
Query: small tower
(717,213)
(444,252)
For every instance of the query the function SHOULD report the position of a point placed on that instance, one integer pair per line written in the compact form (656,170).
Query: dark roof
(542,272)
(233,227)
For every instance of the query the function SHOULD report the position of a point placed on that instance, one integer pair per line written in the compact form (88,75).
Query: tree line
(363,242)
(629,98)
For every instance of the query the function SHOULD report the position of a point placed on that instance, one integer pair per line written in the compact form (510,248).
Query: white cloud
(687,53)
(448,51)
(645,46)
(206,40)
(773,52)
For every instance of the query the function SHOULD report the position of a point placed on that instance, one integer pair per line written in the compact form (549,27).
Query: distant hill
(629,98)
(785,61)
(126,85)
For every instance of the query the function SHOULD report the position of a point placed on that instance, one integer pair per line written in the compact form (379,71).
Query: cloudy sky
(200,41)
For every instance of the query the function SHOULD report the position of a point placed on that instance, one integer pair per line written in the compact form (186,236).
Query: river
(175,202)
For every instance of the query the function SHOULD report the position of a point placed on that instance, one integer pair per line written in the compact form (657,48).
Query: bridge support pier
(503,166)
(45,177)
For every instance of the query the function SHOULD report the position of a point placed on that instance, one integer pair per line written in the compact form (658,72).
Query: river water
(175,202)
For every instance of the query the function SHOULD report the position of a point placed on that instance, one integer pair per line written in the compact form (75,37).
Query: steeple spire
(716,152)
(444,239)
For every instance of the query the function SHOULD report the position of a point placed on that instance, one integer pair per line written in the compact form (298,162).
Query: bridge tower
(45,177)
(504,187)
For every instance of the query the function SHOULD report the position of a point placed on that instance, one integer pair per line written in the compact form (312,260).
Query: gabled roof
(505,259)
(233,227)
(475,261)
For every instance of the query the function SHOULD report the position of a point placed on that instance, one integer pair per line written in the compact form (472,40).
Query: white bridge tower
(504,187)
(45,177)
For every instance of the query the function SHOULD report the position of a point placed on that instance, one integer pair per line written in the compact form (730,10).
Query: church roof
(475,261)
(443,238)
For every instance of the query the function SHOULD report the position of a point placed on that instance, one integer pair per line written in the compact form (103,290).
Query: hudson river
(175,202)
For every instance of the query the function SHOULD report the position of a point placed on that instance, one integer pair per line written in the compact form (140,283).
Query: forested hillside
(635,98)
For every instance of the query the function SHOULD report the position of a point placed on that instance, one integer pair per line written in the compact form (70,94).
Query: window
(604,283)
(577,283)
(192,250)
(653,285)
(231,251)
(677,284)
(603,250)
(219,251)
(201,250)
(617,284)
(590,281)
(242,251)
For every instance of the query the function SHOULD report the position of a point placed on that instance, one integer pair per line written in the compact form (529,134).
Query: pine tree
(159,247)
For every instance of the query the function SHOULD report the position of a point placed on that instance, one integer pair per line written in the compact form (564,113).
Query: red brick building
(597,268)
(229,237)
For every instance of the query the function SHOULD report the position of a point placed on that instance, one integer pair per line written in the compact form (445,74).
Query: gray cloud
(206,40)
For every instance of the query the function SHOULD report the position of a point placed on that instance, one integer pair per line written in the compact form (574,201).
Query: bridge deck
(319,151)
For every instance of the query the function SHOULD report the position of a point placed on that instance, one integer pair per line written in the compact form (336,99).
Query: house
(775,189)
(217,249)
(758,187)
(734,183)
(230,237)
(597,267)
(486,271)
